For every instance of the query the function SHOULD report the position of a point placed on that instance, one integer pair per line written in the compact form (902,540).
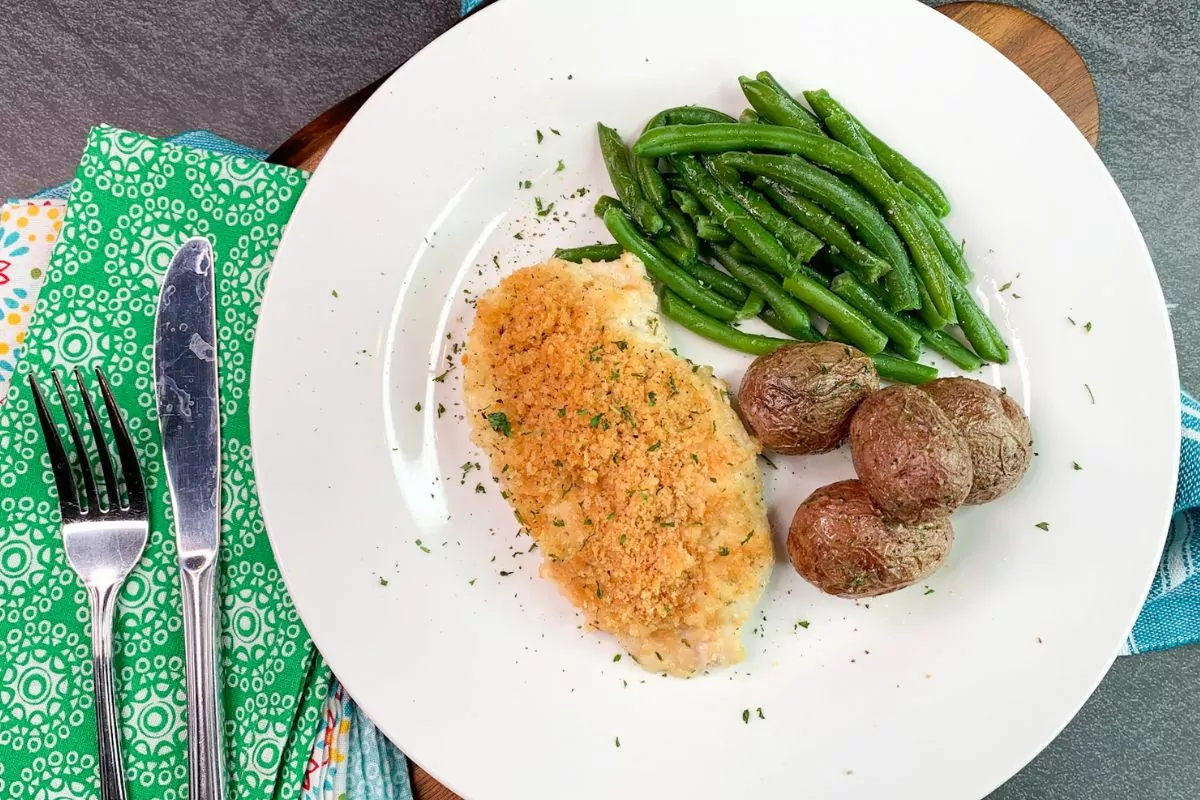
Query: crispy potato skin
(799,399)
(910,458)
(841,543)
(996,431)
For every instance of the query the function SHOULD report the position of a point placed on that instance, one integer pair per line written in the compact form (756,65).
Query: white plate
(485,679)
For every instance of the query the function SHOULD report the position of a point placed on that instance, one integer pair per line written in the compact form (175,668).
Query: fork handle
(206,743)
(103,601)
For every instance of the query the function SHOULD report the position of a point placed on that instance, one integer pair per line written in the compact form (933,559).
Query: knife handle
(206,742)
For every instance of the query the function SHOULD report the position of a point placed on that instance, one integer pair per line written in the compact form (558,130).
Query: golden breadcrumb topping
(623,460)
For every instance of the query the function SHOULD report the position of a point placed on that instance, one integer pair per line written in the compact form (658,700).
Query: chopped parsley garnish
(928,590)
(611,514)
(802,624)
(587,521)
(724,551)
(615,375)
(519,235)
(560,166)
(599,591)
(616,658)
(556,133)
(471,582)
(1043,525)
(540,136)
(499,422)
(595,353)
(417,407)
(667,523)
(746,716)
(542,210)
(617,739)
(479,489)
(505,573)
(441,410)
(652,398)
(748,535)
(600,421)
(383,581)
(525,184)
(671,383)
(562,412)
(695,458)
(653,447)
(1075,465)
(442,378)
(1091,394)
(558,523)
(622,540)
(761,715)
(1087,326)
(622,344)
(1006,287)
(1070,320)
(334,293)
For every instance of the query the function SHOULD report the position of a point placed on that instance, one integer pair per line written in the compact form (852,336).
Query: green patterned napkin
(133,202)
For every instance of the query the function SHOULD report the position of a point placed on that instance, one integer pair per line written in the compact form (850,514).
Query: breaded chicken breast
(624,461)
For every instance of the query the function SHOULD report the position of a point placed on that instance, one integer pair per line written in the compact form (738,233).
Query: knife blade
(185,385)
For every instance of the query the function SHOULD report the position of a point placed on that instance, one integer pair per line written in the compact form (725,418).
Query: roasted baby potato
(799,399)
(841,543)
(909,456)
(995,429)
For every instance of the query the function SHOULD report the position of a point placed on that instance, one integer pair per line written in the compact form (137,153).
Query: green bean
(833,155)
(844,128)
(847,204)
(708,275)
(687,202)
(775,104)
(800,243)
(850,289)
(696,115)
(979,330)
(620,172)
(663,269)
(674,308)
(682,230)
(900,168)
(710,230)
(900,370)
(950,249)
(604,202)
(753,306)
(942,342)
(791,312)
(862,333)
(749,117)
(930,314)
(862,262)
(904,171)
(730,214)
(646,169)
(591,252)
(811,334)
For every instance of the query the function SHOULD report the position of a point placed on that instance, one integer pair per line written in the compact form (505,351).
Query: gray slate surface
(255,72)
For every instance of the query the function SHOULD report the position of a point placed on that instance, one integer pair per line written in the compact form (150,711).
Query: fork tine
(106,464)
(68,498)
(125,450)
(85,463)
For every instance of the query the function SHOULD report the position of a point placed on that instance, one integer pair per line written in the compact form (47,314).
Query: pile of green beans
(765,194)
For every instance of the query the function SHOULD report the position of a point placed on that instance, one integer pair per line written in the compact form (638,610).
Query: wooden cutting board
(1033,45)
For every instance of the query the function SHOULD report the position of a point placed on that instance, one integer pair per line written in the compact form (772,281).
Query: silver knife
(189,416)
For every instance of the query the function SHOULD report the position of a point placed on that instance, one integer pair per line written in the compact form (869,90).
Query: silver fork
(103,544)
